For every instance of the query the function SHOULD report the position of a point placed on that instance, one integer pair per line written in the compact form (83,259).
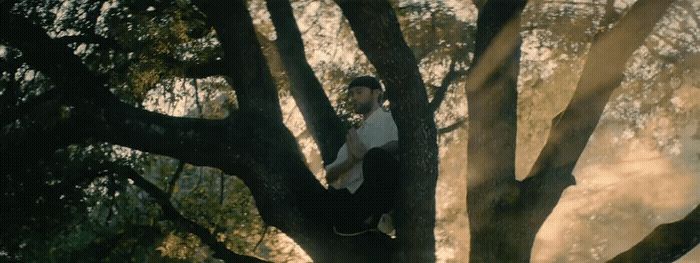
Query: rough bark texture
(378,33)
(325,126)
(505,220)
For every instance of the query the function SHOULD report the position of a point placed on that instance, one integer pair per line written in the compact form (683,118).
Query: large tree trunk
(493,128)
(515,215)
(378,34)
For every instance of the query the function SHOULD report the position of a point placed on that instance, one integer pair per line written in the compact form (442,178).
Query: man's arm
(335,172)
(355,150)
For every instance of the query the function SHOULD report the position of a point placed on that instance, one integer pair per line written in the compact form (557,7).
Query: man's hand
(356,148)
(356,151)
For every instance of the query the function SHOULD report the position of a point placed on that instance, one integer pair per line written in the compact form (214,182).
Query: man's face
(363,98)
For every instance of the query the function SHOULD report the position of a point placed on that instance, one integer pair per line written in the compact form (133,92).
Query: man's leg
(343,209)
(380,171)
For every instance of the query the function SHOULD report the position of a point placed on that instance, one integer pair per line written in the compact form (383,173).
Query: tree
(95,96)
(499,205)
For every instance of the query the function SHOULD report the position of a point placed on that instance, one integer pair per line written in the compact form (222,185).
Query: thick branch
(324,124)
(551,174)
(288,195)
(602,74)
(667,243)
(65,69)
(34,135)
(215,143)
(253,82)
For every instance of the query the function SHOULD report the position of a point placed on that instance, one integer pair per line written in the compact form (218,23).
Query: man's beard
(363,108)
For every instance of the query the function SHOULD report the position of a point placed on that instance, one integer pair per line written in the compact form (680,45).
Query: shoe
(386,225)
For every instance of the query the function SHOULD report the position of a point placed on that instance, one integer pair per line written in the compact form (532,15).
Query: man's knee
(375,153)
(375,156)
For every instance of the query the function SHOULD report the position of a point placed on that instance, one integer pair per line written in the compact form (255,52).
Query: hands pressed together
(356,148)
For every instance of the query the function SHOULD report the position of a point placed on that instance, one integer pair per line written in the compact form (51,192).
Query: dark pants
(374,197)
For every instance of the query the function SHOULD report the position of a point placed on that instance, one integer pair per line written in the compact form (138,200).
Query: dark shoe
(386,224)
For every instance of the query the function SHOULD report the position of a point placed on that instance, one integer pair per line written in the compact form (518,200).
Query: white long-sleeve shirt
(378,129)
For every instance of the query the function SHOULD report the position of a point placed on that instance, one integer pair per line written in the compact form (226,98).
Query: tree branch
(287,194)
(602,74)
(667,243)
(253,82)
(451,75)
(324,124)
(175,177)
(449,128)
(171,213)
(66,69)
(571,129)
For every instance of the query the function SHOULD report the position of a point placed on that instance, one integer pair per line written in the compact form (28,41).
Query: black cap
(365,81)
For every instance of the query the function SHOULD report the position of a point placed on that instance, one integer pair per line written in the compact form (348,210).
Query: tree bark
(320,117)
(379,36)
(492,129)
(253,82)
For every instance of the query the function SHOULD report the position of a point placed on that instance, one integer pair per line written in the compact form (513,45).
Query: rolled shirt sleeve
(342,157)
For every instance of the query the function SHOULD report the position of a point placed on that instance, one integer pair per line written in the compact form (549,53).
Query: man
(363,177)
